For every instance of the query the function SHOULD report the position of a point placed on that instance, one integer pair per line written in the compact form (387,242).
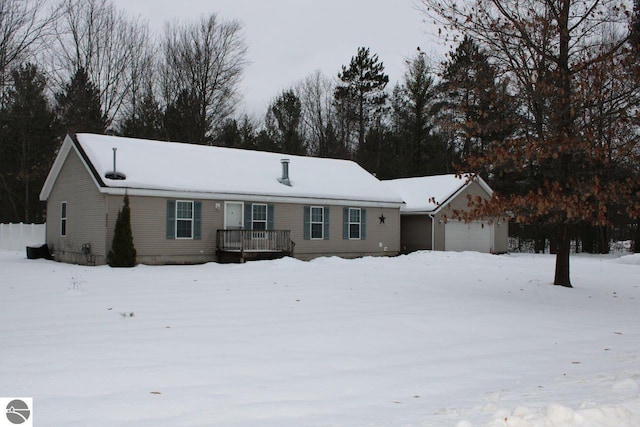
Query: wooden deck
(244,245)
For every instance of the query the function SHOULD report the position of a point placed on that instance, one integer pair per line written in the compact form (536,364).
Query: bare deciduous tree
(318,115)
(204,59)
(24,26)
(110,46)
(143,76)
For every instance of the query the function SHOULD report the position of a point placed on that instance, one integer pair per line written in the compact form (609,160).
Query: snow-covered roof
(217,171)
(428,193)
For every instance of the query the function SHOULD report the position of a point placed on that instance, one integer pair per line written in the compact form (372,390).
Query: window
(354,223)
(258,217)
(317,222)
(63,219)
(259,221)
(184,220)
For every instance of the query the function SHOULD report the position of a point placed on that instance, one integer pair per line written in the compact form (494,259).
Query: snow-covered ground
(428,339)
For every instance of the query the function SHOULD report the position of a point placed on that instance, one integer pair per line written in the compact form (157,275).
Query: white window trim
(266,215)
(64,219)
(311,222)
(359,224)
(184,219)
(259,234)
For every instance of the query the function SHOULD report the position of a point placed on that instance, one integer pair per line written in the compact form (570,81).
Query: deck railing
(254,241)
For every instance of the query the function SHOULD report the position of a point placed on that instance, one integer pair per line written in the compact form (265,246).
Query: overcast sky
(290,39)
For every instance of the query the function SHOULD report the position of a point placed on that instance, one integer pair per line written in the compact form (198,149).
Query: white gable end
(427,194)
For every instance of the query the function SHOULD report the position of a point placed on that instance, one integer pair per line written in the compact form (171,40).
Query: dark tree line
(499,105)
(85,66)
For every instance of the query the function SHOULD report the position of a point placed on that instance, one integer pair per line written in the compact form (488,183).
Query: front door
(233,220)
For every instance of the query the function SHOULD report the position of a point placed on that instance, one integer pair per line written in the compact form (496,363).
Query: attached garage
(472,236)
(427,216)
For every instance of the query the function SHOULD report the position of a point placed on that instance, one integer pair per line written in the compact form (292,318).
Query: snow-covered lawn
(429,339)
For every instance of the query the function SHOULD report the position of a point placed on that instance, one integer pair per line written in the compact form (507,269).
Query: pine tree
(229,135)
(79,105)
(283,123)
(332,146)
(183,121)
(247,128)
(123,252)
(420,150)
(146,120)
(240,133)
(360,96)
(473,100)
(27,145)
(378,154)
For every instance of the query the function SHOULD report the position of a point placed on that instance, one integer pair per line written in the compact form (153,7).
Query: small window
(258,217)
(184,220)
(354,223)
(63,219)
(317,222)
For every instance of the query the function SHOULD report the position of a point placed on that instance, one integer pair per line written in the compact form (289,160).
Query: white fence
(16,237)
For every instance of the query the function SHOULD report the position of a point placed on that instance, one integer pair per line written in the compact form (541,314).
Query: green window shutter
(307,222)
(326,223)
(345,223)
(171,219)
(197,220)
(363,224)
(270,218)
(247,216)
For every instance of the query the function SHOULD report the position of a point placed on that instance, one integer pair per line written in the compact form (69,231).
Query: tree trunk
(603,239)
(636,240)
(562,257)
(587,239)
(554,242)
(27,218)
(564,134)
(540,243)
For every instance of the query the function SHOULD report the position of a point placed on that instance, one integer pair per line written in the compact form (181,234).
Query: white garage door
(472,236)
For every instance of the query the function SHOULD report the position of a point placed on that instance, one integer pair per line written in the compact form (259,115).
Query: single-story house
(428,221)
(193,204)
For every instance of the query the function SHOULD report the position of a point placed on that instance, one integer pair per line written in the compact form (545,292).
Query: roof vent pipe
(285,173)
(115,174)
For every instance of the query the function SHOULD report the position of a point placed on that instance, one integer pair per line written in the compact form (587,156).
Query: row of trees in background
(412,129)
(85,66)
(540,98)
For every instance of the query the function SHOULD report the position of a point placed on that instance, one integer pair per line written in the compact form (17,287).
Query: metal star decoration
(382,218)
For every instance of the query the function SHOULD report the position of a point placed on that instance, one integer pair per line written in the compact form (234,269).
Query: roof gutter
(433,232)
(132,191)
